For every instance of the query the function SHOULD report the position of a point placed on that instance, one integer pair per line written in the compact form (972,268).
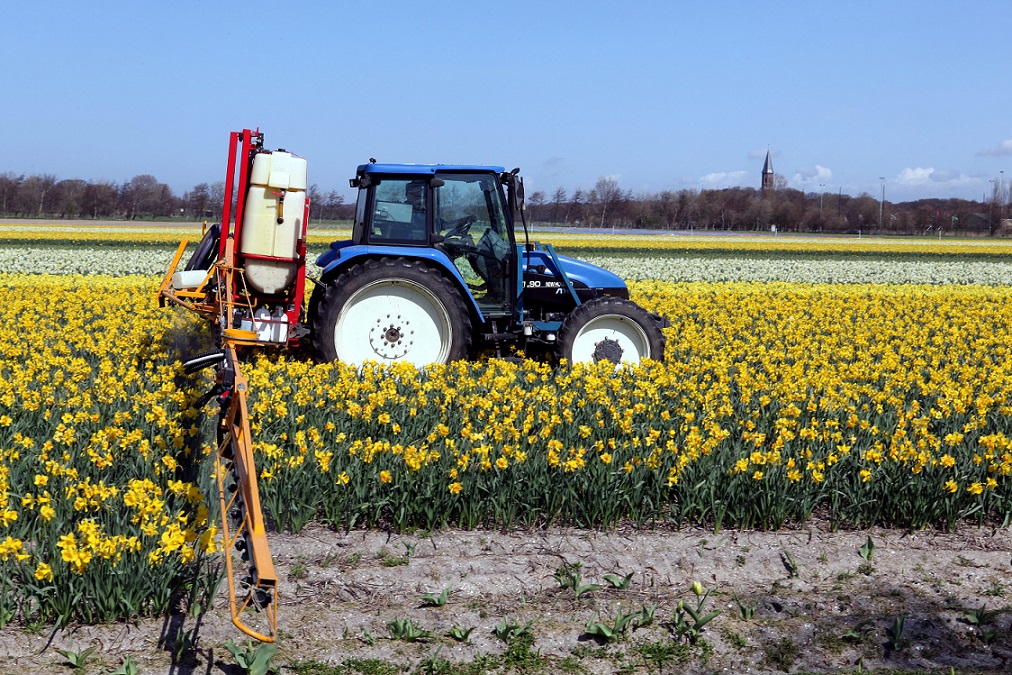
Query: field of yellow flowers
(778,402)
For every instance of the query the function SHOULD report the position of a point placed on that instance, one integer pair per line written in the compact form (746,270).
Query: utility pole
(881,204)
(990,213)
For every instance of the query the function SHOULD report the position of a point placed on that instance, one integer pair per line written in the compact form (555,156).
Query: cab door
(470,226)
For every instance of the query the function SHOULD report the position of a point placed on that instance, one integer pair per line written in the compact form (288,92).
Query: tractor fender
(585,273)
(344,254)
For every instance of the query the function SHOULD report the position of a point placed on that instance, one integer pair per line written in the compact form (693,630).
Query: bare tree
(315,202)
(217,198)
(99,199)
(142,196)
(558,198)
(9,186)
(606,195)
(333,202)
(197,200)
(68,196)
(536,201)
(34,191)
(576,206)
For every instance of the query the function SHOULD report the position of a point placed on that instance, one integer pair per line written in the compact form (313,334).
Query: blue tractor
(433,273)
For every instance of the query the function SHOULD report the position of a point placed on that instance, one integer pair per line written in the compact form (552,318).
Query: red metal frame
(242,148)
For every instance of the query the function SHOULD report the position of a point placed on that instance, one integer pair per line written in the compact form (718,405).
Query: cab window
(399,211)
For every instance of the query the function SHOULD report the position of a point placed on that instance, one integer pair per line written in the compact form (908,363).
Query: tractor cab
(458,210)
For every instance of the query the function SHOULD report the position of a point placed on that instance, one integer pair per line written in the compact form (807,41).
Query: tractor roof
(426,169)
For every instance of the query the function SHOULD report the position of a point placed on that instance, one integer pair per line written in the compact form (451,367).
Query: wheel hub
(390,336)
(608,350)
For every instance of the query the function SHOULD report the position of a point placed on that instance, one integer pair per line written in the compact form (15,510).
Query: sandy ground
(810,588)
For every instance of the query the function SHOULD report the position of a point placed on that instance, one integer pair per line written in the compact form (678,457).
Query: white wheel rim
(393,320)
(604,335)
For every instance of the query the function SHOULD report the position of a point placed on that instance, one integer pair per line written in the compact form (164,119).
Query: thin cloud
(724,178)
(915,176)
(929,175)
(812,175)
(1000,150)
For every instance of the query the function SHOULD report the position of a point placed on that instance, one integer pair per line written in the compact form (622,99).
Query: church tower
(768,176)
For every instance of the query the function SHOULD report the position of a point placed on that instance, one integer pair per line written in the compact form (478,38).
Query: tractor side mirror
(514,189)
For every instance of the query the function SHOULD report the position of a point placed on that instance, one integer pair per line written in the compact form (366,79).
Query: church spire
(768,175)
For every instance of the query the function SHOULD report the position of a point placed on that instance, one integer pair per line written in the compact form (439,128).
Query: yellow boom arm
(252,590)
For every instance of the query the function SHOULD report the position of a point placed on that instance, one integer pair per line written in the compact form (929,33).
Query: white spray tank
(273,221)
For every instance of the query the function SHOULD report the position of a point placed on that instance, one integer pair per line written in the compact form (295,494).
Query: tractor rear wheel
(610,329)
(390,309)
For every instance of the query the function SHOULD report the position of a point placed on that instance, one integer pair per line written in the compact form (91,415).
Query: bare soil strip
(819,606)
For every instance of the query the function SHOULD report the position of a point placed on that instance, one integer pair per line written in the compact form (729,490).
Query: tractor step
(499,336)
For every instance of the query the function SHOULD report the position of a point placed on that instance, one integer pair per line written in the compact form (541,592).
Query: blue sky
(658,95)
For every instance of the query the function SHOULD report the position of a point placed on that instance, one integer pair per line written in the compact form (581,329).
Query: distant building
(768,176)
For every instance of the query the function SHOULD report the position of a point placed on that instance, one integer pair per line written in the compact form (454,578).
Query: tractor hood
(578,271)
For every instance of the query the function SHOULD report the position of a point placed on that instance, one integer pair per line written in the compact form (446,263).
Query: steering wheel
(461,226)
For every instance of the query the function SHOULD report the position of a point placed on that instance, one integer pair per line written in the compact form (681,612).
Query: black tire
(376,310)
(206,250)
(609,329)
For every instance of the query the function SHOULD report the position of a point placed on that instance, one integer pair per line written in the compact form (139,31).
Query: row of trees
(142,197)
(605,205)
(785,209)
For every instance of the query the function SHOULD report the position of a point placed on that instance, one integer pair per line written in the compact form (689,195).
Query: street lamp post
(1001,196)
(822,194)
(881,204)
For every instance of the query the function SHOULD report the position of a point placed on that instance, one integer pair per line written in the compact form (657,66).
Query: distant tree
(333,201)
(686,199)
(758,213)
(33,193)
(143,196)
(10,184)
(315,202)
(558,199)
(667,208)
(68,196)
(166,202)
(535,202)
(606,195)
(576,206)
(197,200)
(99,199)
(217,198)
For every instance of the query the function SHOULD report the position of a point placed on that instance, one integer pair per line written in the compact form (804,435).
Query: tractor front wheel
(610,329)
(387,310)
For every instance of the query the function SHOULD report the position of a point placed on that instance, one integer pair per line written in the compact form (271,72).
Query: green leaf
(460,634)
(621,583)
(868,550)
(433,600)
